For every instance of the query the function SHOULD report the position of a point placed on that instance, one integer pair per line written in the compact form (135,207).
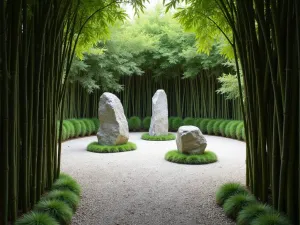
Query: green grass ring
(177,157)
(167,137)
(96,147)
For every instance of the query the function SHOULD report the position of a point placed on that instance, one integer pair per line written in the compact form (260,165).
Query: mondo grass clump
(56,209)
(70,129)
(146,122)
(96,147)
(227,128)
(210,126)
(196,159)
(167,137)
(223,126)
(67,183)
(36,218)
(251,212)
(227,190)
(233,128)
(203,125)
(216,127)
(77,127)
(272,218)
(90,126)
(84,129)
(66,196)
(134,123)
(236,203)
(96,124)
(57,206)
(239,131)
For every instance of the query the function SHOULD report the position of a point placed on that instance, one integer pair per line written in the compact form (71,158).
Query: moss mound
(69,128)
(95,147)
(90,126)
(189,121)
(239,131)
(223,126)
(84,130)
(167,137)
(178,157)
(176,123)
(216,127)
(77,127)
(203,125)
(96,124)
(233,128)
(134,123)
(170,120)
(210,126)
(146,122)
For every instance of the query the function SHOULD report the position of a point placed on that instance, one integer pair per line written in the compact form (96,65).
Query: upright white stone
(159,119)
(190,140)
(113,124)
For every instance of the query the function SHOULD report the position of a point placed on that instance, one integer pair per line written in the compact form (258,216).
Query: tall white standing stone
(159,120)
(113,124)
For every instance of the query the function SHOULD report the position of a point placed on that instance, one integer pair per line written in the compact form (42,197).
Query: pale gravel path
(141,188)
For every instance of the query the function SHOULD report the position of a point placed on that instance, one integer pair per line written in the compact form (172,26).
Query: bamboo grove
(265,36)
(192,97)
(152,52)
(37,45)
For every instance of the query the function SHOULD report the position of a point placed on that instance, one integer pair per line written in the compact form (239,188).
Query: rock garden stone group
(113,133)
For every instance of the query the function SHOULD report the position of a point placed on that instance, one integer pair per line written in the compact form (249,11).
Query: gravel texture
(142,188)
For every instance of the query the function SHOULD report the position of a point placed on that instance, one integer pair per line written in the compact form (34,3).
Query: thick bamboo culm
(33,50)
(267,35)
(186,98)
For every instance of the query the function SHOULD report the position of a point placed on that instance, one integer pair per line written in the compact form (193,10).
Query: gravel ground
(141,188)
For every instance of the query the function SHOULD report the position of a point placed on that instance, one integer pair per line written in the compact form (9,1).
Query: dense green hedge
(73,128)
(239,204)
(57,206)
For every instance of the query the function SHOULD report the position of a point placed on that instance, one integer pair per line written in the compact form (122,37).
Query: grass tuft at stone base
(167,137)
(177,157)
(96,147)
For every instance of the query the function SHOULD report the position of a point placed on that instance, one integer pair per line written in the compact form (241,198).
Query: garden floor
(142,188)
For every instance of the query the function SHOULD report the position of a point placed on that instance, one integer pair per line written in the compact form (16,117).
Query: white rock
(113,124)
(159,120)
(190,140)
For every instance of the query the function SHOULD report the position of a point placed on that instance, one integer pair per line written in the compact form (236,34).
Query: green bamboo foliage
(193,97)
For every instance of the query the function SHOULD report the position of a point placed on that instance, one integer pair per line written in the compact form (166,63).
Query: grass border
(97,148)
(168,137)
(195,159)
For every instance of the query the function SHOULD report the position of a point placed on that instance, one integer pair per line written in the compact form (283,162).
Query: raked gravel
(141,188)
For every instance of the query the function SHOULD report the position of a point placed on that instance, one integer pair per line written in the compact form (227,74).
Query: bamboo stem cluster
(191,97)
(267,35)
(36,46)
